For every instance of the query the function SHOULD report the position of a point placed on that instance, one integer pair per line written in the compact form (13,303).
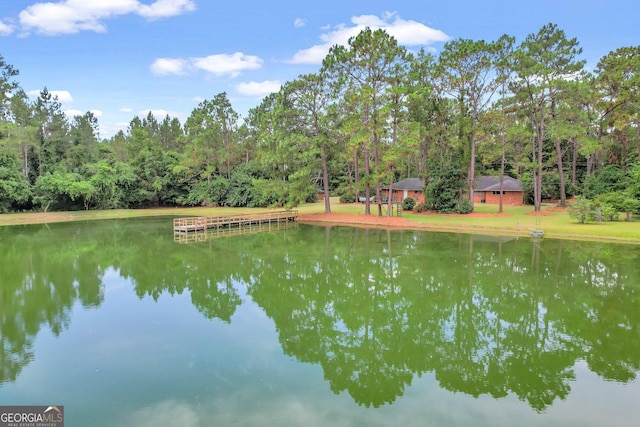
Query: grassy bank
(516,220)
(521,220)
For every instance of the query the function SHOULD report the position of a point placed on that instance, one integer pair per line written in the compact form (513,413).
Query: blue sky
(121,58)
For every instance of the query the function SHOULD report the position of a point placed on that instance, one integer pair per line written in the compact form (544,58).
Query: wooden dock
(203,223)
(213,233)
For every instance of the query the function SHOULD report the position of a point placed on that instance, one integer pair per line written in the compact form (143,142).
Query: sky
(122,58)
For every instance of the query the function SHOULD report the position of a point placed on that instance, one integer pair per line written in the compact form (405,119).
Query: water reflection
(374,308)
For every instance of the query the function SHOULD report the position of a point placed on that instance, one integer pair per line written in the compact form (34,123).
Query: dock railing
(191,224)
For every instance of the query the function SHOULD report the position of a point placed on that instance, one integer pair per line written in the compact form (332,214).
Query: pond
(317,326)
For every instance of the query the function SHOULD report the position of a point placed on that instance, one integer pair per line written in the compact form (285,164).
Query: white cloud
(64,96)
(224,64)
(219,64)
(165,66)
(299,23)
(407,33)
(72,113)
(126,110)
(73,16)
(159,113)
(107,130)
(258,89)
(166,8)
(5,28)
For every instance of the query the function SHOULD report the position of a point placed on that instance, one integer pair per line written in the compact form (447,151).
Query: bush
(464,207)
(408,204)
(610,178)
(608,211)
(421,207)
(582,210)
(347,198)
(615,199)
(444,187)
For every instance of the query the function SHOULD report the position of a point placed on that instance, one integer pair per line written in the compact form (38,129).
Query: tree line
(374,113)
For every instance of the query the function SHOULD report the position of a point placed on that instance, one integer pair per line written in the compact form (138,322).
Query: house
(487,190)
(409,187)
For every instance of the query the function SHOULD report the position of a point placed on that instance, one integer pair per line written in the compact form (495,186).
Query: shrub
(408,204)
(444,187)
(464,207)
(608,211)
(582,210)
(421,207)
(630,206)
(347,198)
(610,178)
(615,199)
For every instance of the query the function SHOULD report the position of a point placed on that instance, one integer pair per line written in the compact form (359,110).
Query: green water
(316,326)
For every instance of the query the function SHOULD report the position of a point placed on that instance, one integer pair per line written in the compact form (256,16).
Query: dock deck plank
(194,224)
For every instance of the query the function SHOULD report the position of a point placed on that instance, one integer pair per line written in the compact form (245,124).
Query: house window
(497,193)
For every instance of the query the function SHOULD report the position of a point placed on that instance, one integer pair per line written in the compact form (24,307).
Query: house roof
(415,184)
(482,183)
(492,183)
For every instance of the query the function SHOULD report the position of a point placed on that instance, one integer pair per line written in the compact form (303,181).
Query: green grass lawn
(522,219)
(519,220)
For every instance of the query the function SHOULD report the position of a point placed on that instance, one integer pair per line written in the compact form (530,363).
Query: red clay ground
(380,221)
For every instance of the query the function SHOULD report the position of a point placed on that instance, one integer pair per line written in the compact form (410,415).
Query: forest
(374,113)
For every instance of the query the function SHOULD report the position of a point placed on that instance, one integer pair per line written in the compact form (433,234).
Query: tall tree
(310,97)
(15,191)
(423,107)
(618,84)
(146,158)
(8,85)
(20,130)
(466,72)
(367,68)
(171,134)
(542,63)
(210,132)
(83,135)
(226,122)
(53,142)
(569,123)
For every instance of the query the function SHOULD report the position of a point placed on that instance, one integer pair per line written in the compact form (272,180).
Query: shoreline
(316,218)
(401,223)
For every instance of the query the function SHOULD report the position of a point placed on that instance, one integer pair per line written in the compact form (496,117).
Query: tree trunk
(376,161)
(325,184)
(503,138)
(574,163)
(472,162)
(471,177)
(590,162)
(389,203)
(25,160)
(356,173)
(560,173)
(538,200)
(367,185)
(535,170)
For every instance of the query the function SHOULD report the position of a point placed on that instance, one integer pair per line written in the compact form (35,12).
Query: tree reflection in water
(374,308)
